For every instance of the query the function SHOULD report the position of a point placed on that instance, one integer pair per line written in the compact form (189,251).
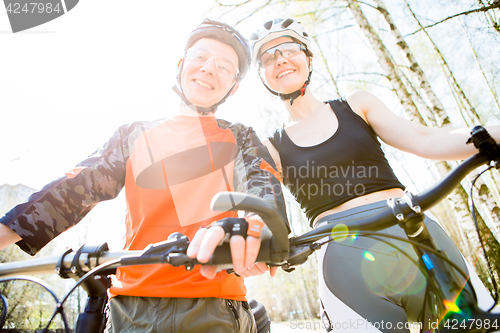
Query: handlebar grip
(232,201)
(222,254)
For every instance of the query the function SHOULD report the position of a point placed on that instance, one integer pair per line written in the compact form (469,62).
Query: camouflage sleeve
(253,166)
(64,202)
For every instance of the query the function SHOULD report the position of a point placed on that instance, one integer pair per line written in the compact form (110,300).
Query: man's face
(209,71)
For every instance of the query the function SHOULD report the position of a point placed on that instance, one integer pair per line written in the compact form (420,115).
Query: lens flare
(451,306)
(339,232)
(391,273)
(368,256)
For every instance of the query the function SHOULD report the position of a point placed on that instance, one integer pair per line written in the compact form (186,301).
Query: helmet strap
(291,96)
(200,110)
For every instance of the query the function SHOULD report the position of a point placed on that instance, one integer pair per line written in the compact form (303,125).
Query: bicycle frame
(286,253)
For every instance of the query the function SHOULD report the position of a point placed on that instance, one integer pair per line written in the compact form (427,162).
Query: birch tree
(488,206)
(407,79)
(459,198)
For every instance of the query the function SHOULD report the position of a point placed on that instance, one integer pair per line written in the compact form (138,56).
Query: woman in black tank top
(331,160)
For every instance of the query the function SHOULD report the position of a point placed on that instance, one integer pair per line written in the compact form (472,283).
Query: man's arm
(7,237)
(256,172)
(64,202)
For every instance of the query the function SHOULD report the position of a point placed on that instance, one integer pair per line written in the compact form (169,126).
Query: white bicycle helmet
(282,28)
(275,29)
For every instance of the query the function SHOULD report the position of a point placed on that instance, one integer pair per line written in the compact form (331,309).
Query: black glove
(240,226)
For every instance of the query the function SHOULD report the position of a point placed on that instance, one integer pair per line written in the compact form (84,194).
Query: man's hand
(244,252)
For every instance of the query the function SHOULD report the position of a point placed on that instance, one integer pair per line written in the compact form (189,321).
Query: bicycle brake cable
(4,310)
(488,264)
(373,234)
(87,275)
(429,286)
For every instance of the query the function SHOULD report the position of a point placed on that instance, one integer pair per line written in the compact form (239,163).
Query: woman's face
(284,75)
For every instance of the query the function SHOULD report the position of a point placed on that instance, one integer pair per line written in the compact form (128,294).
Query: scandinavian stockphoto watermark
(24,14)
(330,181)
(360,325)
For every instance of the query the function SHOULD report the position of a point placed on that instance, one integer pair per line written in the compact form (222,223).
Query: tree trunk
(385,61)
(493,92)
(459,198)
(470,116)
(417,73)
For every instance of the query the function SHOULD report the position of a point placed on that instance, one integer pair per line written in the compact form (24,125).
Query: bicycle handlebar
(47,265)
(278,250)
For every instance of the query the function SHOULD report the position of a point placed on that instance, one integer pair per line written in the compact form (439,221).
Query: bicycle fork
(454,299)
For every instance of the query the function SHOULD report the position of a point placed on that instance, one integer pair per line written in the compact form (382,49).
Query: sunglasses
(287,50)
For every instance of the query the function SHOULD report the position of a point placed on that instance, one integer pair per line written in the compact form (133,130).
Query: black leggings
(369,286)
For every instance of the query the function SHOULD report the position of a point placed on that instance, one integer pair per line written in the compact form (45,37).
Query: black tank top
(349,164)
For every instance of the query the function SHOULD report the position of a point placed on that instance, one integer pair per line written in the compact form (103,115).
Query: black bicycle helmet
(227,35)
(282,28)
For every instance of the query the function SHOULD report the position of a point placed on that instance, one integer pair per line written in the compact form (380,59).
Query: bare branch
(333,30)
(362,73)
(365,3)
(233,7)
(490,18)
(255,11)
(316,12)
(483,9)
(461,99)
(377,84)
(323,58)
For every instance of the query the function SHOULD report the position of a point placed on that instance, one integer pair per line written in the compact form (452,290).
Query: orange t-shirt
(170,170)
(172,174)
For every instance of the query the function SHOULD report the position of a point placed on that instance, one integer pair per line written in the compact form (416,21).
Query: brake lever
(175,242)
(299,255)
(171,251)
(181,259)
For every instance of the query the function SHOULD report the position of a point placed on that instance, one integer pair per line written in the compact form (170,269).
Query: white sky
(67,85)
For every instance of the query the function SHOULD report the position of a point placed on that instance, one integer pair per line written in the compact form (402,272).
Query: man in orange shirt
(170,169)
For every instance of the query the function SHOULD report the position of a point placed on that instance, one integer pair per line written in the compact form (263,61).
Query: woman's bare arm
(446,143)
